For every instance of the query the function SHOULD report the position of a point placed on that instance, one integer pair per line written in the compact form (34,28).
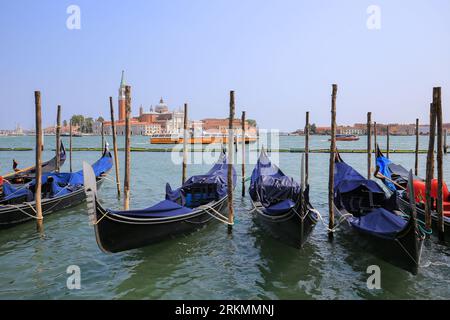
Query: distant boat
(168,138)
(74,134)
(346,137)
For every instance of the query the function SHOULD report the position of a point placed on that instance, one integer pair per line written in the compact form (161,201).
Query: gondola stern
(63,149)
(337,156)
(94,208)
(412,240)
(90,188)
(378,151)
(106,151)
(412,243)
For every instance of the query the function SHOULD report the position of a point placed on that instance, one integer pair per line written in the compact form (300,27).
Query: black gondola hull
(116,234)
(289,228)
(11,216)
(403,251)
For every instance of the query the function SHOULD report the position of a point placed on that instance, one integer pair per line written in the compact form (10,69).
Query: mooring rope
(222,217)
(200,222)
(106,177)
(22,210)
(67,186)
(421,225)
(407,252)
(334,229)
(97,222)
(254,208)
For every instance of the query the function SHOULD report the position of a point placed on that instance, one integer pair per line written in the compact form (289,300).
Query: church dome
(161,107)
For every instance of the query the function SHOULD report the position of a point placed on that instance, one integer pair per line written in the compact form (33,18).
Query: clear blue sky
(280,57)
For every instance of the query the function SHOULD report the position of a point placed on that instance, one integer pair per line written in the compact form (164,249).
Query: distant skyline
(280,58)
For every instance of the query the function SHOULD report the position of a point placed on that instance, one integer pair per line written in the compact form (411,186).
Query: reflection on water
(208,264)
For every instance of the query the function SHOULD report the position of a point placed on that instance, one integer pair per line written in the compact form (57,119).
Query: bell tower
(122,98)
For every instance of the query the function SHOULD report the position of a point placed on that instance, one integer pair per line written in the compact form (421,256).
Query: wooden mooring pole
(387,142)
(369,144)
(374,137)
(70,145)
(440,171)
(230,164)
(116,156)
(126,182)
(416,159)
(103,138)
(306,148)
(375,143)
(58,138)
(331,169)
(430,168)
(38,172)
(243,152)
(185,143)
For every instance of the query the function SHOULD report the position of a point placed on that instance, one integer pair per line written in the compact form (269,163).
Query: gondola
(59,191)
(281,204)
(26,175)
(346,137)
(399,178)
(200,200)
(364,207)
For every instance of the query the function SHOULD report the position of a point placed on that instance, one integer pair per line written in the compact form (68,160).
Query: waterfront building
(137,128)
(160,120)
(161,107)
(220,126)
(323,130)
(351,130)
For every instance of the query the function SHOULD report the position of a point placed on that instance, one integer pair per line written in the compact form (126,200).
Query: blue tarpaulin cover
(63,183)
(379,222)
(165,208)
(277,192)
(347,179)
(280,207)
(383,167)
(169,208)
(11,192)
(217,175)
(102,165)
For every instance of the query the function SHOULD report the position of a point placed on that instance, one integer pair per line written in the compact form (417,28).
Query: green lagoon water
(208,264)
